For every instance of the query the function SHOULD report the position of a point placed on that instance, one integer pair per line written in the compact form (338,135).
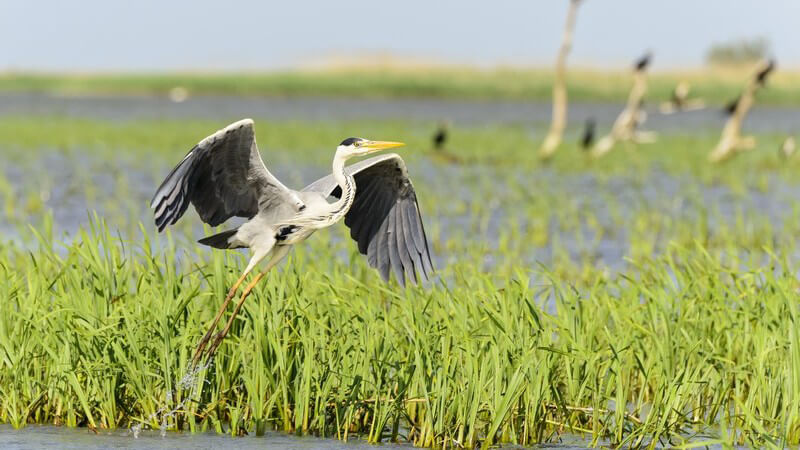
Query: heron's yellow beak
(374,146)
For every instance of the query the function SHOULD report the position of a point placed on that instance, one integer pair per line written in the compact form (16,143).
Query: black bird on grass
(643,62)
(440,136)
(439,141)
(587,140)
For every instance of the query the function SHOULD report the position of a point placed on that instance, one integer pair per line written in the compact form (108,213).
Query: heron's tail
(221,240)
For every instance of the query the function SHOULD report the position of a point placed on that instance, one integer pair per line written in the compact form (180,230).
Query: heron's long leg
(202,344)
(257,257)
(277,256)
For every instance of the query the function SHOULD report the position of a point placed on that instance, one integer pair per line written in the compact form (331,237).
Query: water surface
(590,216)
(51,437)
(762,119)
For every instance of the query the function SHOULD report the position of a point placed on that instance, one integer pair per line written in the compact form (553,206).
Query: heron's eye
(357,144)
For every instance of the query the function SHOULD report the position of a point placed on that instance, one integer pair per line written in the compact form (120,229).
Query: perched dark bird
(587,140)
(761,78)
(642,63)
(730,108)
(440,136)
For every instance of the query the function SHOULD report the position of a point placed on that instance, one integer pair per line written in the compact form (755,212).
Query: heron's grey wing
(222,176)
(384,218)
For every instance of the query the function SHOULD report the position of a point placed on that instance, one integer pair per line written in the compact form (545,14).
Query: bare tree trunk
(559,121)
(624,128)
(731,141)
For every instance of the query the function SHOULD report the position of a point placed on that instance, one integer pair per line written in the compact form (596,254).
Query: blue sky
(93,35)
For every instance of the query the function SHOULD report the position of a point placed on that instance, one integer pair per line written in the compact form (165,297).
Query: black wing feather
(382,250)
(410,247)
(384,219)
(402,242)
(394,253)
(222,176)
(363,231)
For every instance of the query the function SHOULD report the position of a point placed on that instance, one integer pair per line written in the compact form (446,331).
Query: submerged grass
(98,331)
(151,142)
(716,85)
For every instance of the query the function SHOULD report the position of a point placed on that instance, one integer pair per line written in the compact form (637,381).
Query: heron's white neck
(347,185)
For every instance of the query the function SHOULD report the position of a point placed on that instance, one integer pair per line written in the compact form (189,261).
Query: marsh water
(49,437)
(612,203)
(762,119)
(122,189)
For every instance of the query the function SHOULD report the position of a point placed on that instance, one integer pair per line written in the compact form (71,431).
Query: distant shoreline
(715,85)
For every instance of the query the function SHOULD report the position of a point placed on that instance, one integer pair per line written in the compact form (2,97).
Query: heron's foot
(198,353)
(217,340)
(203,353)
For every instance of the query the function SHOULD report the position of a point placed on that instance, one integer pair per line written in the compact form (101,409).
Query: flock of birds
(679,101)
(224,176)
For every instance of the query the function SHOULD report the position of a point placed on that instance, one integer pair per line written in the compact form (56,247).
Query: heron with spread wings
(224,176)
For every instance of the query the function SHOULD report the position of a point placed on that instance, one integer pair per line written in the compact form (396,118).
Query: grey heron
(224,176)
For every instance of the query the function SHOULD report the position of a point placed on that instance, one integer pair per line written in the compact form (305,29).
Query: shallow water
(43,437)
(762,119)
(73,186)
(47,437)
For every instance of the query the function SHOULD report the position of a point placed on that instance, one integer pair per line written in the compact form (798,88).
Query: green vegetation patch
(158,142)
(98,331)
(717,85)
(691,339)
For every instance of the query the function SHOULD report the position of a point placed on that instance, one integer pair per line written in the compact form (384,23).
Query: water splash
(187,383)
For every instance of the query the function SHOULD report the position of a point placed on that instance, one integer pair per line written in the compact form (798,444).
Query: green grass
(150,142)
(98,330)
(717,86)
(691,339)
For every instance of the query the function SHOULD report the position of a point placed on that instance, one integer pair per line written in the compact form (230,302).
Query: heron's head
(361,147)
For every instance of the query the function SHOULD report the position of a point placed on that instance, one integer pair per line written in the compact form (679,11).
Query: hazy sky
(93,35)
